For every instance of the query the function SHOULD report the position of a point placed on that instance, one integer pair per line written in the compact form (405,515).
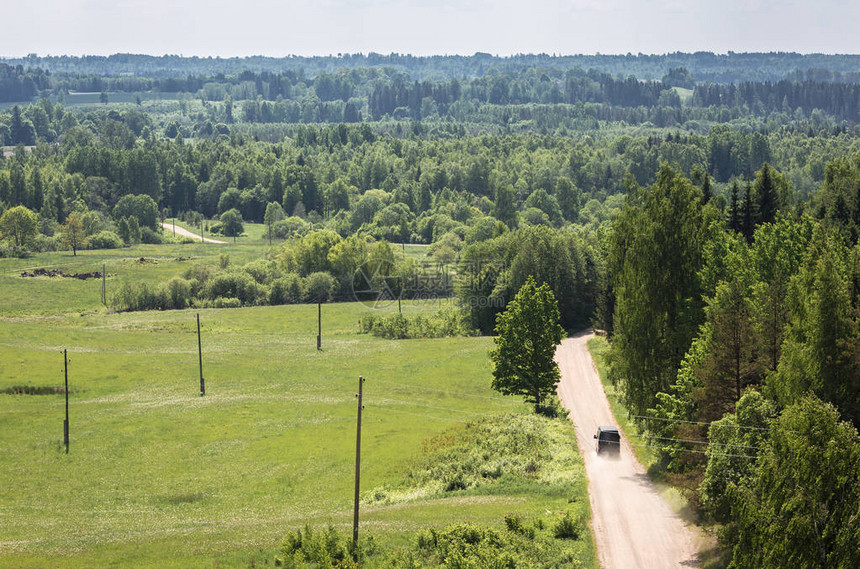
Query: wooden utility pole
(200,357)
(319,325)
(357,470)
(66,421)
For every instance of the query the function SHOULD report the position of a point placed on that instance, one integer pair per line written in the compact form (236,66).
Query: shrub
(200,273)
(105,240)
(14,252)
(287,290)
(130,297)
(568,527)
(179,293)
(238,285)
(262,270)
(150,236)
(446,322)
(288,227)
(44,243)
(306,548)
(228,302)
(319,287)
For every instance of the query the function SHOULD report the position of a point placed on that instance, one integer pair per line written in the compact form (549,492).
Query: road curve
(634,528)
(186,233)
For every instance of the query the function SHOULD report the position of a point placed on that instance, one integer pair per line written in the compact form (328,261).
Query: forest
(702,210)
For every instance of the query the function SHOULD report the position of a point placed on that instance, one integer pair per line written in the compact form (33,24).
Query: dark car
(608,440)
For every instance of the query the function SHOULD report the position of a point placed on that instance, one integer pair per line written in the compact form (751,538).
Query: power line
(694,442)
(422,415)
(697,451)
(698,422)
(410,403)
(445,391)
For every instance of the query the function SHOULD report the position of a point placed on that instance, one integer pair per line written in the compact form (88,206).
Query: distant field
(158,476)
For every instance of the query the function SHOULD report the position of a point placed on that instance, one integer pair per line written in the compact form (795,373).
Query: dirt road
(186,233)
(634,528)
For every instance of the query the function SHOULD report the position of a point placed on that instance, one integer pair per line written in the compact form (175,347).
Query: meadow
(158,476)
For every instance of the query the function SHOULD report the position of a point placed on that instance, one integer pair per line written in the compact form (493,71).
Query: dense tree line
(741,333)
(842,100)
(705,66)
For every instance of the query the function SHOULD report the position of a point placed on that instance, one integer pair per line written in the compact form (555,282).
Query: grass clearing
(158,476)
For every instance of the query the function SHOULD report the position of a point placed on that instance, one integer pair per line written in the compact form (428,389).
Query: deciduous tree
(528,333)
(19,225)
(73,233)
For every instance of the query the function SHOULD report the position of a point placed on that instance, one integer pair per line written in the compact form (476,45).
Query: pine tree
(734,209)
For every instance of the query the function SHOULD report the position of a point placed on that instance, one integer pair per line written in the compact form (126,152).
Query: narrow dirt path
(634,528)
(184,232)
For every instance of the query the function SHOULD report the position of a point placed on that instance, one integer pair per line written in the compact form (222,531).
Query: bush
(179,293)
(228,302)
(150,236)
(287,290)
(568,527)
(319,287)
(262,270)
(105,240)
(317,549)
(237,285)
(444,323)
(288,227)
(131,297)
(200,273)
(44,243)
(14,252)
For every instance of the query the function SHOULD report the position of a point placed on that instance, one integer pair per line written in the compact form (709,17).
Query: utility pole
(200,357)
(319,325)
(357,470)
(66,422)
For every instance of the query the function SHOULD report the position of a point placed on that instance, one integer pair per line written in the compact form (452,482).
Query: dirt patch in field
(57,273)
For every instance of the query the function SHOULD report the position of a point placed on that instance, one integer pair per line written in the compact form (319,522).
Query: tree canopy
(527,335)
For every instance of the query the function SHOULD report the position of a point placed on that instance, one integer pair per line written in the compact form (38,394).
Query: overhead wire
(445,391)
(691,441)
(665,419)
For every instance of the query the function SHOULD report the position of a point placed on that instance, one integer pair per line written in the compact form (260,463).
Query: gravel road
(186,233)
(633,526)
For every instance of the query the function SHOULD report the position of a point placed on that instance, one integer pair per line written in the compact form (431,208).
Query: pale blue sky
(424,27)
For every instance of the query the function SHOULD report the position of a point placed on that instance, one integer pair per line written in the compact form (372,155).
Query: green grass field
(158,476)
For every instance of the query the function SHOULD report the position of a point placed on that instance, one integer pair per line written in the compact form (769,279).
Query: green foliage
(443,323)
(800,508)
(232,284)
(656,253)
(319,287)
(528,333)
(735,442)
(18,225)
(142,207)
(288,289)
(492,271)
(105,240)
(231,223)
(324,550)
(819,353)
